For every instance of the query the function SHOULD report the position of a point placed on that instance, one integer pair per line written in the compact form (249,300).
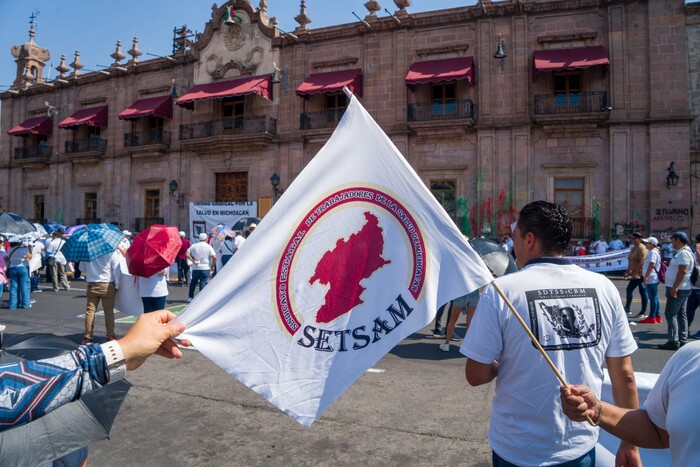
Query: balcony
(86,150)
(39,152)
(141,223)
(148,138)
(320,120)
(458,109)
(572,103)
(245,132)
(583,227)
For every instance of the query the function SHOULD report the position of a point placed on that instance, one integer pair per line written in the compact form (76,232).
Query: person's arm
(631,425)
(651,267)
(480,373)
(85,369)
(682,271)
(624,391)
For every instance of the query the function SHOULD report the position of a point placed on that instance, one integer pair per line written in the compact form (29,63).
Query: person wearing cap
(635,261)
(651,280)
(203,258)
(125,243)
(183,269)
(678,289)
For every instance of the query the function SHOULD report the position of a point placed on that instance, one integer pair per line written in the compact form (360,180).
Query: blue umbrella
(51,227)
(91,241)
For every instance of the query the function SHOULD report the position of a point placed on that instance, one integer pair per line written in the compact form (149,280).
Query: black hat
(637,235)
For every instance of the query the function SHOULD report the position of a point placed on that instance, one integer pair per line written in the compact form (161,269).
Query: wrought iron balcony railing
(573,102)
(86,145)
(146,138)
(229,126)
(42,151)
(582,227)
(141,223)
(317,120)
(455,109)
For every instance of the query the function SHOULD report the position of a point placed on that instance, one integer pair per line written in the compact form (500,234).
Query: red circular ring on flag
(339,198)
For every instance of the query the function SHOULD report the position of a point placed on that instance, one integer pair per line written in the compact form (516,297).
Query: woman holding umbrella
(154,290)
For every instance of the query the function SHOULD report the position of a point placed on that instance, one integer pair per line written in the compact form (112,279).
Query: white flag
(356,256)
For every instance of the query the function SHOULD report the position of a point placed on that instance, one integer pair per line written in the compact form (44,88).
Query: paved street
(414,408)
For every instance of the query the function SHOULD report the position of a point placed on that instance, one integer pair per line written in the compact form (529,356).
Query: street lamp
(275,181)
(178,197)
(672,177)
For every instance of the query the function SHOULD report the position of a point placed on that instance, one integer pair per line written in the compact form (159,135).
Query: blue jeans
(34,281)
(200,276)
(654,306)
(587,460)
(634,283)
(676,318)
(153,303)
(19,285)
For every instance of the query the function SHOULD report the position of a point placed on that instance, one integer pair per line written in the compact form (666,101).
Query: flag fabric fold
(354,257)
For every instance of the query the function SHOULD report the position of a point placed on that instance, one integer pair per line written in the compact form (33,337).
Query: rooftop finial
(302,18)
(76,65)
(134,51)
(118,56)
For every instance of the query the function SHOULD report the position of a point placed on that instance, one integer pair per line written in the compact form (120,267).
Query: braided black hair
(549,222)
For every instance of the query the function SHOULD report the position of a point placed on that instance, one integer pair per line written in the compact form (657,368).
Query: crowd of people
(575,318)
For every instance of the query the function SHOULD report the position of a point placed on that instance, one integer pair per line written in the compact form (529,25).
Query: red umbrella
(153,250)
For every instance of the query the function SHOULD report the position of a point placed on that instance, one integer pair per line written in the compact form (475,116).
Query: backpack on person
(662,272)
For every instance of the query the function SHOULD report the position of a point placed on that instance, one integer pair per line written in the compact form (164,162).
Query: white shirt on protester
(682,257)
(653,257)
(154,286)
(104,268)
(53,248)
(673,404)
(528,427)
(202,253)
(238,241)
(616,244)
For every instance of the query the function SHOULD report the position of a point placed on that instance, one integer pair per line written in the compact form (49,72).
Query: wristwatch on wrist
(116,363)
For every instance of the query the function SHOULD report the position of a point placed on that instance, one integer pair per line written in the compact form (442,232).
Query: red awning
(157,106)
(320,83)
(237,87)
(436,71)
(34,126)
(569,59)
(94,116)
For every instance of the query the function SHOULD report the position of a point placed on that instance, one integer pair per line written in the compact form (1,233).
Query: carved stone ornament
(236,35)
(402,4)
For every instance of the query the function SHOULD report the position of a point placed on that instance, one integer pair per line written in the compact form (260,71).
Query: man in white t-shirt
(56,261)
(203,258)
(600,246)
(678,289)
(102,275)
(578,318)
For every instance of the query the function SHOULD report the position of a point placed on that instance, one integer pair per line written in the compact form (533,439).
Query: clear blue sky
(93,26)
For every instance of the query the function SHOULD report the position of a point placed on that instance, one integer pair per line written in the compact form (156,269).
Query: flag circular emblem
(343,264)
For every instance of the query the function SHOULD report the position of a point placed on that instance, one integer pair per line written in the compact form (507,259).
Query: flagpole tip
(347,92)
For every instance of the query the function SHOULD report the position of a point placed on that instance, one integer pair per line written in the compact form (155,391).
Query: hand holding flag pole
(534,341)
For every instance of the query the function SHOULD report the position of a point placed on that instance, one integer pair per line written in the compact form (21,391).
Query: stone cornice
(442,50)
(343,61)
(583,36)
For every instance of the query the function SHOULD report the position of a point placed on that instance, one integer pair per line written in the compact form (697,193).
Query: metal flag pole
(347,92)
(534,341)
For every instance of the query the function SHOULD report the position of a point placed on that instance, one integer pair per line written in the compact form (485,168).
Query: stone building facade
(585,103)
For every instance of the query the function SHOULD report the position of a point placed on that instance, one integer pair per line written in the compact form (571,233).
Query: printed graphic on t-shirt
(564,319)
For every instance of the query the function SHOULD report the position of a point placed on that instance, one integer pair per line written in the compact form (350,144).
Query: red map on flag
(343,267)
